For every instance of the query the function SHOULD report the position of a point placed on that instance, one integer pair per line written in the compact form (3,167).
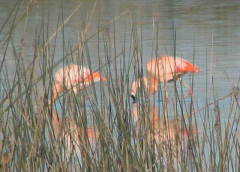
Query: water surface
(206,32)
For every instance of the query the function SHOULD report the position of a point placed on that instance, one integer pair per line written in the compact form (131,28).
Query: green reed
(29,141)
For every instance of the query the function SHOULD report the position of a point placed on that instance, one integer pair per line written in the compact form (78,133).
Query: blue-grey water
(207,32)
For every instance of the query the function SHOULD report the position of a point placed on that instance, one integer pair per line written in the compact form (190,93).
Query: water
(207,31)
(210,30)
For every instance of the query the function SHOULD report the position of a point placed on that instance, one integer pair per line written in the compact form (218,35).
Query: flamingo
(163,69)
(73,77)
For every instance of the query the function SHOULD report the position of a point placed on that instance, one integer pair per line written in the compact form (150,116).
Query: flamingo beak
(133,98)
(197,70)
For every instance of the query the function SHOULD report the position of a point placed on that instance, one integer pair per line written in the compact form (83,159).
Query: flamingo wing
(161,68)
(166,68)
(70,75)
(184,66)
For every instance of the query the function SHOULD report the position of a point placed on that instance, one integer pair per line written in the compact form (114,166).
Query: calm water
(207,31)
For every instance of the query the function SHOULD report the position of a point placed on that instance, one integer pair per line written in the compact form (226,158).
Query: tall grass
(30,139)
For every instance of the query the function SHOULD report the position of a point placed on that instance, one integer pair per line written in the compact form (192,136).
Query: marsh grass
(29,134)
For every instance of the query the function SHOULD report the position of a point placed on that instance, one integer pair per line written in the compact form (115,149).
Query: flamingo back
(71,75)
(167,68)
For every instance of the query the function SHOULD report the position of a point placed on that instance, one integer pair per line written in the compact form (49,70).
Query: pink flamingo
(162,70)
(73,77)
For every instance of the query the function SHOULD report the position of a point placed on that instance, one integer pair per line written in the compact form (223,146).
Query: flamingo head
(133,96)
(137,85)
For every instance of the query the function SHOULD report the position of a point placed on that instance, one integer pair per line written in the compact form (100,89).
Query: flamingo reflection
(159,129)
(75,138)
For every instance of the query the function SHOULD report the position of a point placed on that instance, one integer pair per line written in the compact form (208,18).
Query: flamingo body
(169,68)
(74,77)
(163,69)
(71,75)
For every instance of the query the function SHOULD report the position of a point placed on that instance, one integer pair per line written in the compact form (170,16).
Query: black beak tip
(133,98)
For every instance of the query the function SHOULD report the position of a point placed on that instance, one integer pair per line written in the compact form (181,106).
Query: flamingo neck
(153,85)
(57,89)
